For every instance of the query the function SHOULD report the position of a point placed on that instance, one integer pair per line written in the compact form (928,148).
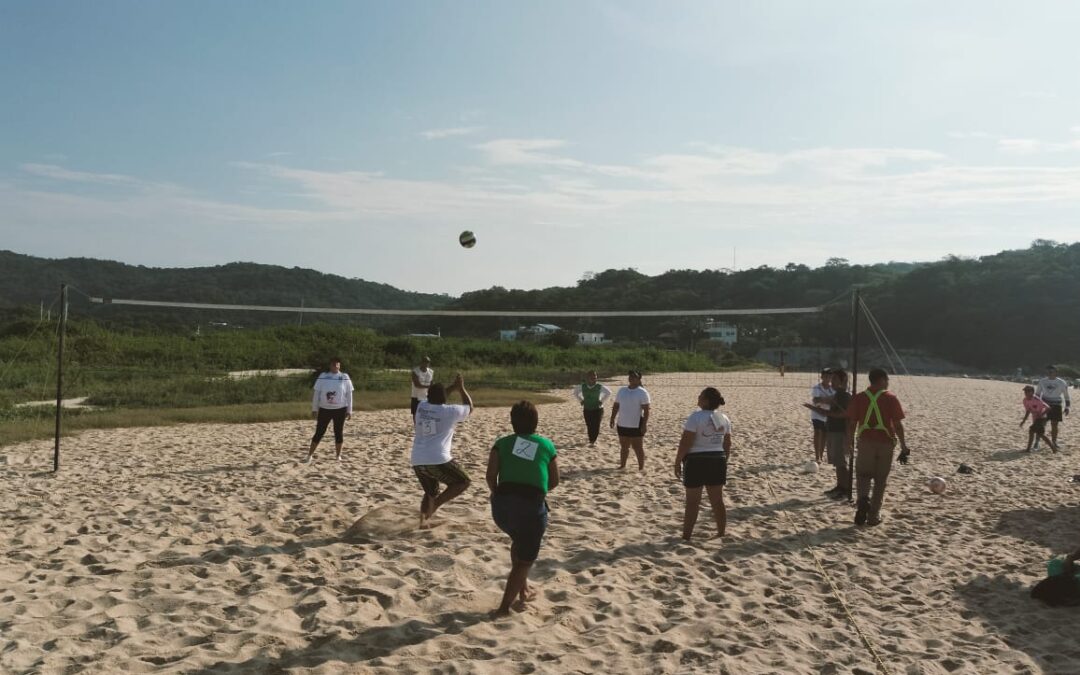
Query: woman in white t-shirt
(331,402)
(631,412)
(701,460)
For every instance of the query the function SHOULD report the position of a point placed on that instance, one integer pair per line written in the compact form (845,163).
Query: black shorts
(525,519)
(1054,413)
(818,424)
(630,432)
(704,468)
(430,475)
(1039,426)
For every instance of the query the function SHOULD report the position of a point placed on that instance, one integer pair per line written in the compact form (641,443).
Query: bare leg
(693,504)
(446,495)
(1053,432)
(337,450)
(639,450)
(516,584)
(819,444)
(526,594)
(1031,439)
(311,450)
(1052,444)
(719,510)
(624,451)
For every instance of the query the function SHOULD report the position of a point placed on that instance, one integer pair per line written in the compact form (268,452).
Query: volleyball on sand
(937,485)
(467,239)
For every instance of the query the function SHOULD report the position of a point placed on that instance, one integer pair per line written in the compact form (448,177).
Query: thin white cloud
(1030,146)
(60,173)
(438,134)
(526,152)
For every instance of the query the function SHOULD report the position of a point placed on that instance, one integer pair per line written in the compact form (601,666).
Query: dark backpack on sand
(1062,590)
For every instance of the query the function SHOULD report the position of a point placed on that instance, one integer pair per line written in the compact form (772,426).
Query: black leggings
(326,415)
(592,422)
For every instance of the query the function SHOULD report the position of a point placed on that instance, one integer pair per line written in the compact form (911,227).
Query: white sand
(208,548)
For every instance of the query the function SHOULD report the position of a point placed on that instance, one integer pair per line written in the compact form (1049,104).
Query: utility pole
(60,375)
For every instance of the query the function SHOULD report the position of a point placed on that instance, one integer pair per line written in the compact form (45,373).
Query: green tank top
(591,395)
(525,459)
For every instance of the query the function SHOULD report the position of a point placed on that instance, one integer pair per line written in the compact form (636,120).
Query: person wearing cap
(631,411)
(422,377)
(1055,392)
(836,433)
(701,460)
(875,423)
(591,395)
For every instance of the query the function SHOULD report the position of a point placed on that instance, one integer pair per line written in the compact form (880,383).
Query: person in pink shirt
(1037,409)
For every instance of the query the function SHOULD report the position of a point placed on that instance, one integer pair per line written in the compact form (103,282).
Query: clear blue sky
(361,138)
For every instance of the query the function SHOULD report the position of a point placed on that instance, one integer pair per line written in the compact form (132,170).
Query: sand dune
(211,549)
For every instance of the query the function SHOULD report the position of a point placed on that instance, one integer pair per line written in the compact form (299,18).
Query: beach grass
(39,422)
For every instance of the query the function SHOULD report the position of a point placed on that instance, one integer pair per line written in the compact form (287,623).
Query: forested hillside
(1012,309)
(26,281)
(999,312)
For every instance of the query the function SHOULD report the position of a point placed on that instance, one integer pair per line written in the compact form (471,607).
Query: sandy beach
(212,549)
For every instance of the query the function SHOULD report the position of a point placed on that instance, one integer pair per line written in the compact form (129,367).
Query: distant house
(591,338)
(545,329)
(508,335)
(721,331)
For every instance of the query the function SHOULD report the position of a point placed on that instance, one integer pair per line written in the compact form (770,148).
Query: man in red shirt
(874,420)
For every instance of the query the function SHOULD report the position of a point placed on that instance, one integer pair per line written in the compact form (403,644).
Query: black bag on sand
(1062,590)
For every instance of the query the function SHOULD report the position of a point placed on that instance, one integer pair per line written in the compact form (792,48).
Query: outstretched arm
(466,399)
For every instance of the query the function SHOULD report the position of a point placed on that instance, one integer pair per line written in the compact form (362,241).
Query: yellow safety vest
(873,409)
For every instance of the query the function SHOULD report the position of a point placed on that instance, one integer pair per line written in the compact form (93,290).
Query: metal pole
(854,382)
(60,376)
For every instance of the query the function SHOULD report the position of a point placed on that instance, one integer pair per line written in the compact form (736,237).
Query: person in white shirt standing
(1054,392)
(331,401)
(422,377)
(701,460)
(631,410)
(821,395)
(432,439)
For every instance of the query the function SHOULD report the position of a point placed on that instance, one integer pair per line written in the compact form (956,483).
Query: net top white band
(464,312)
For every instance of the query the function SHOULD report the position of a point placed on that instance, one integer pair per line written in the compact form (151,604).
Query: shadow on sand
(375,642)
(1054,528)
(1046,634)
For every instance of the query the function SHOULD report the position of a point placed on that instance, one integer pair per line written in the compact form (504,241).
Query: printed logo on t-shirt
(330,396)
(426,427)
(526,449)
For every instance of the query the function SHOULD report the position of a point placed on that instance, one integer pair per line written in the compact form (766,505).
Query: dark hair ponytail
(712,397)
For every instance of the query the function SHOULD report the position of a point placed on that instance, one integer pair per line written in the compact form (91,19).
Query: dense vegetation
(27,281)
(129,374)
(999,312)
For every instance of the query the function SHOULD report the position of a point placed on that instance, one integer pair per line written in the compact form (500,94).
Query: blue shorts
(525,519)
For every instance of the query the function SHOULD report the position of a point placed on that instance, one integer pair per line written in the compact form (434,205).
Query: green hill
(1013,309)
(28,281)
